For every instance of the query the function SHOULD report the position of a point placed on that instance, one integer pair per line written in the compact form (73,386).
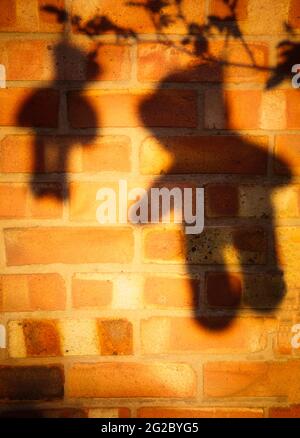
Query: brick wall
(130,320)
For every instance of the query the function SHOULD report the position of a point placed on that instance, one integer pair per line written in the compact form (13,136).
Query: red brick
(116,337)
(215,335)
(29,107)
(174,63)
(212,154)
(25,293)
(137,17)
(80,62)
(294,14)
(131,380)
(203,412)
(253,379)
(282,412)
(31,382)
(233,109)
(224,290)
(164,292)
(88,293)
(68,245)
(168,108)
(18,201)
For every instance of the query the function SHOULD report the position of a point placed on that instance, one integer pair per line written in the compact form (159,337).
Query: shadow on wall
(43,108)
(231,154)
(210,154)
(246,162)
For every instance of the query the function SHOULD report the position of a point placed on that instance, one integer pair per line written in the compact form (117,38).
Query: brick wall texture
(125,320)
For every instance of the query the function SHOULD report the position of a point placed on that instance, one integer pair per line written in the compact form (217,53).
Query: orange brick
(282,412)
(164,292)
(31,382)
(166,412)
(68,245)
(29,108)
(216,335)
(253,379)
(88,293)
(116,380)
(221,9)
(288,148)
(91,109)
(137,17)
(175,63)
(294,14)
(83,61)
(214,245)
(25,293)
(18,201)
(41,338)
(8,14)
(115,337)
(233,109)
(207,154)
(108,153)
(292,109)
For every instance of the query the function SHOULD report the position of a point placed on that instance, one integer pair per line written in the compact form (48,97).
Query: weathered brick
(168,108)
(216,335)
(116,337)
(31,292)
(31,382)
(68,245)
(214,245)
(207,154)
(115,380)
(69,337)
